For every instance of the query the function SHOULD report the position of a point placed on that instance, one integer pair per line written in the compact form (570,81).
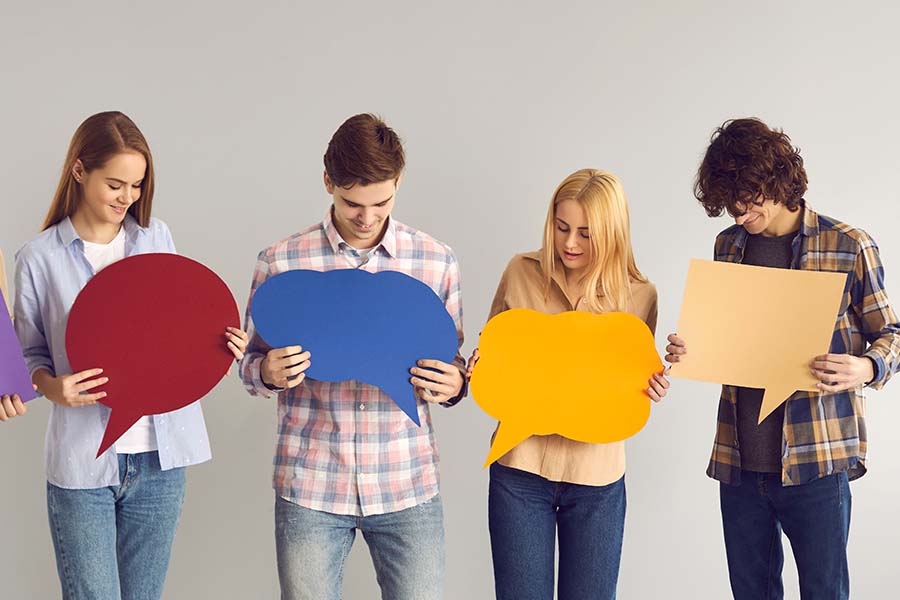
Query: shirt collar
(558,275)
(809,226)
(388,241)
(67,233)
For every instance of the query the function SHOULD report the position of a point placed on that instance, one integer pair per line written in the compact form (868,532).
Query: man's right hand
(284,367)
(676,348)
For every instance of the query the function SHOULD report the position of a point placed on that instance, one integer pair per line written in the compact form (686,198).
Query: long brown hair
(97,139)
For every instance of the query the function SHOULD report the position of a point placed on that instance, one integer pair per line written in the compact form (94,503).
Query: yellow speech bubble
(577,374)
(757,327)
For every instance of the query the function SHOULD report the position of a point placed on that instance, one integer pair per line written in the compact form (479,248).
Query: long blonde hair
(612,267)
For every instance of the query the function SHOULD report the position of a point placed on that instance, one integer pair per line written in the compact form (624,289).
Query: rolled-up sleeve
(451,289)
(256,348)
(29,321)
(879,321)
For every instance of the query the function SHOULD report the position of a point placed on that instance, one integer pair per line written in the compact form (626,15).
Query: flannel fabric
(823,433)
(345,448)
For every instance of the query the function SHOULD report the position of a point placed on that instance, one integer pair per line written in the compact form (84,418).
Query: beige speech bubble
(757,327)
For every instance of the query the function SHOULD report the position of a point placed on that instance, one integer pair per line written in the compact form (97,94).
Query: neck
(575,281)
(786,222)
(92,230)
(357,243)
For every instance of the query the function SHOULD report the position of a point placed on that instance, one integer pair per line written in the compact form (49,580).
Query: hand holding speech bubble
(357,325)
(155,324)
(757,327)
(577,374)
(14,377)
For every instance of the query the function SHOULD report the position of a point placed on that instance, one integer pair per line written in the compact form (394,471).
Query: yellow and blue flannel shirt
(823,433)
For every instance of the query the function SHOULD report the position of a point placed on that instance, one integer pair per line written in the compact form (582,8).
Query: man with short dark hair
(791,471)
(348,458)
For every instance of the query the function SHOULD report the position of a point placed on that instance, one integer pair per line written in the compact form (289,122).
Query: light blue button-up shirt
(50,271)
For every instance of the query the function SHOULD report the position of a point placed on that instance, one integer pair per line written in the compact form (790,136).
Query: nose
(572,240)
(129,194)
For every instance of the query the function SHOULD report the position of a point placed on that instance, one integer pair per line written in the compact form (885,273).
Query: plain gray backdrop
(497,102)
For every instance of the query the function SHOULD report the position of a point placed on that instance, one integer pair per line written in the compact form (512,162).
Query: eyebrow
(121,181)
(566,224)
(375,204)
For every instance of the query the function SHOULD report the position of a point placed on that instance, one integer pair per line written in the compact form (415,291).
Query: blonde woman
(550,486)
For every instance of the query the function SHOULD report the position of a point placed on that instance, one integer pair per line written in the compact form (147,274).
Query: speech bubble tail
(411,409)
(116,427)
(506,439)
(404,396)
(772,399)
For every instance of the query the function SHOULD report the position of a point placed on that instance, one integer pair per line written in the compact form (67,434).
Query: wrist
(871,378)
(262,372)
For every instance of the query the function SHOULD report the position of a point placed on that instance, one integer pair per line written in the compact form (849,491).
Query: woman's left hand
(659,386)
(237,343)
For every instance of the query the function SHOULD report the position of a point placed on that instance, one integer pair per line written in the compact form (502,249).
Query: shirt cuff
(254,381)
(878,368)
(35,367)
(462,394)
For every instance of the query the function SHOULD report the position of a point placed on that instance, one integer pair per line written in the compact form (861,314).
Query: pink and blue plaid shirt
(346,448)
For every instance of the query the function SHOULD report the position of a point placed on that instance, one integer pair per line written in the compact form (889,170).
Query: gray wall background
(497,102)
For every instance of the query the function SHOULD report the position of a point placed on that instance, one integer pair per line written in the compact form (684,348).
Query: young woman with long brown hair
(113,518)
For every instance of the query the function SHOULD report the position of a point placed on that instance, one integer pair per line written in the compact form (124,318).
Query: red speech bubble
(155,324)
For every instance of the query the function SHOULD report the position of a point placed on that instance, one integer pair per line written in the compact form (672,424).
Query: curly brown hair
(364,150)
(746,161)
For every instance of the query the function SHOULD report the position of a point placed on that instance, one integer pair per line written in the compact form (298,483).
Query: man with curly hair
(791,471)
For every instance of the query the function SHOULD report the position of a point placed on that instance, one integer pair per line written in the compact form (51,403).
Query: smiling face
(571,237)
(361,212)
(767,217)
(108,191)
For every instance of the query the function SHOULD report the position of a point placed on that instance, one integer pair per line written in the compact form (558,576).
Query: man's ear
(397,181)
(329,186)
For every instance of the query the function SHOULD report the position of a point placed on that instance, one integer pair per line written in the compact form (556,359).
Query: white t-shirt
(358,257)
(141,437)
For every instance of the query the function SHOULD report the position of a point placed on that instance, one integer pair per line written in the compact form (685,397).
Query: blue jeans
(526,513)
(407,549)
(816,518)
(114,542)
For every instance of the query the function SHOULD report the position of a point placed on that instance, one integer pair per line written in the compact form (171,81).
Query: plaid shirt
(346,448)
(823,433)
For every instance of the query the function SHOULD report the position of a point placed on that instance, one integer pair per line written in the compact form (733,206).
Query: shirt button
(362,407)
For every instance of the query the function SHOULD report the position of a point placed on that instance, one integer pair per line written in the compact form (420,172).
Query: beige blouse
(552,456)
(3,285)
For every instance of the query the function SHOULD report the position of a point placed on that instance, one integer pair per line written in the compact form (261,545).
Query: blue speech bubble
(357,325)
